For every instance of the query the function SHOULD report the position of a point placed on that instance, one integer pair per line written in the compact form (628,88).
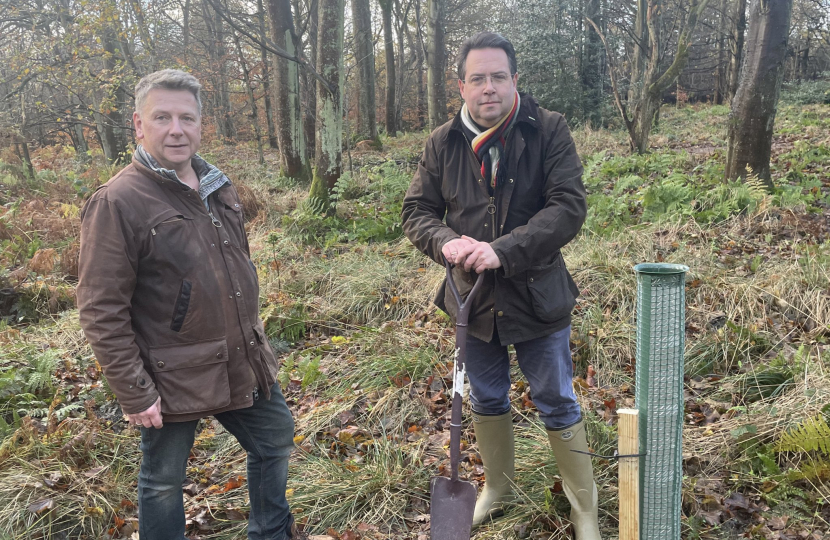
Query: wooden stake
(629,470)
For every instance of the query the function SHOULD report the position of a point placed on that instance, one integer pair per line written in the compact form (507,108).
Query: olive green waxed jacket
(538,210)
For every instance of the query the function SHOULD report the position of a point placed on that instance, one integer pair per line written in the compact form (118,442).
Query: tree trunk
(591,71)
(288,115)
(113,101)
(186,28)
(246,78)
(401,71)
(309,86)
(751,121)
(737,42)
(720,69)
(366,127)
(215,45)
(804,73)
(79,142)
(389,50)
(419,52)
(329,138)
(436,75)
(640,56)
(651,91)
(266,77)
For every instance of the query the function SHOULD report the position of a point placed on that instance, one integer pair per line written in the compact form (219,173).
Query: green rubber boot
(494,435)
(577,479)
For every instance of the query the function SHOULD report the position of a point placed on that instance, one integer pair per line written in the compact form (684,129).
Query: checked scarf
(488,145)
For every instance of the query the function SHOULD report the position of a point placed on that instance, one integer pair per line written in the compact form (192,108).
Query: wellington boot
(494,435)
(577,479)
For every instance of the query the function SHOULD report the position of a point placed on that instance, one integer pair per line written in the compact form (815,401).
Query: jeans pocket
(192,377)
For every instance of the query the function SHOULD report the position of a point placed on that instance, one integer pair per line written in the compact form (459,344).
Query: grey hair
(169,79)
(485,40)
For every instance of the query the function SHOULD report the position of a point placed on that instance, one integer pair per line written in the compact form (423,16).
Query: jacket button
(491,310)
(531,280)
(479,180)
(252,344)
(226,242)
(213,245)
(511,180)
(485,225)
(501,313)
(238,294)
(218,355)
(236,205)
(159,364)
(230,296)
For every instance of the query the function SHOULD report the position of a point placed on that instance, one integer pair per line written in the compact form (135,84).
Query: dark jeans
(266,432)
(546,363)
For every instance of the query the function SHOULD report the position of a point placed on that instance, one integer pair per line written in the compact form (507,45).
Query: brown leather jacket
(538,210)
(169,298)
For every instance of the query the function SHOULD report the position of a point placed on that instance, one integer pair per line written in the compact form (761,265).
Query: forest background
(318,111)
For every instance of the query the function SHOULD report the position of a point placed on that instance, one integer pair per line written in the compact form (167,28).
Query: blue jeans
(546,363)
(266,432)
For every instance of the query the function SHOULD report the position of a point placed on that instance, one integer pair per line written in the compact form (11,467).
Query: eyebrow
(491,74)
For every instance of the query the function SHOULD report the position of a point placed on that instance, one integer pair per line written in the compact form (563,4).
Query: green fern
(810,435)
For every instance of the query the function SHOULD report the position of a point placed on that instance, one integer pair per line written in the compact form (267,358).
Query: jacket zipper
(216,222)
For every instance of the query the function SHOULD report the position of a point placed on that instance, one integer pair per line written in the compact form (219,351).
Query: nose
(176,127)
(488,85)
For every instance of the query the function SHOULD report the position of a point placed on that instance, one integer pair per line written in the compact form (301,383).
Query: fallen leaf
(41,506)
(235,515)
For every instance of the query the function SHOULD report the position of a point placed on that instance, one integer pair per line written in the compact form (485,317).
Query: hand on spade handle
(459,367)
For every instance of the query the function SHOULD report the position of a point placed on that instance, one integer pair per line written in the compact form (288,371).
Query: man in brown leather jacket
(499,192)
(169,300)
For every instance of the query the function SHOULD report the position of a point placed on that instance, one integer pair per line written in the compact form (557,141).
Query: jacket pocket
(550,289)
(192,377)
(182,303)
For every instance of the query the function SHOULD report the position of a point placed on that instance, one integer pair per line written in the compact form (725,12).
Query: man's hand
(478,256)
(149,418)
(452,248)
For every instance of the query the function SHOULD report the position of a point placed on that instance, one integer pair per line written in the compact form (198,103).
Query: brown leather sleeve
(107,275)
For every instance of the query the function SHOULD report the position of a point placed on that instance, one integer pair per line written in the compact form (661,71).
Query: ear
(461,88)
(139,129)
(516,80)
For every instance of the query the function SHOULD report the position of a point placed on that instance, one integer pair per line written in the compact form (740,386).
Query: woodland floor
(366,357)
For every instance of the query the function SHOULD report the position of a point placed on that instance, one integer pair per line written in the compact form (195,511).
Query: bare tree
(293,163)
(329,133)
(436,63)
(266,76)
(365,81)
(246,78)
(753,109)
(389,55)
(737,44)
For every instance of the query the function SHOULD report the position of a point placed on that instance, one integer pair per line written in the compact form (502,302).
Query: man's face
(170,127)
(488,88)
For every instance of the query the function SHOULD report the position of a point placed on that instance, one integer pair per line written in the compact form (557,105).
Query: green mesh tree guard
(661,307)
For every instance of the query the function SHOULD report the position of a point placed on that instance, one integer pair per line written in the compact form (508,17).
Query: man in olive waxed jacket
(499,192)
(169,301)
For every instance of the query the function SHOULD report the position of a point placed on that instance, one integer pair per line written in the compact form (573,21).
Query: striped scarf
(488,145)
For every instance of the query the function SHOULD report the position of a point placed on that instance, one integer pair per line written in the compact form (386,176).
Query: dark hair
(485,40)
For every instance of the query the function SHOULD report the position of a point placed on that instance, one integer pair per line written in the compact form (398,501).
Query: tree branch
(614,87)
(270,45)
